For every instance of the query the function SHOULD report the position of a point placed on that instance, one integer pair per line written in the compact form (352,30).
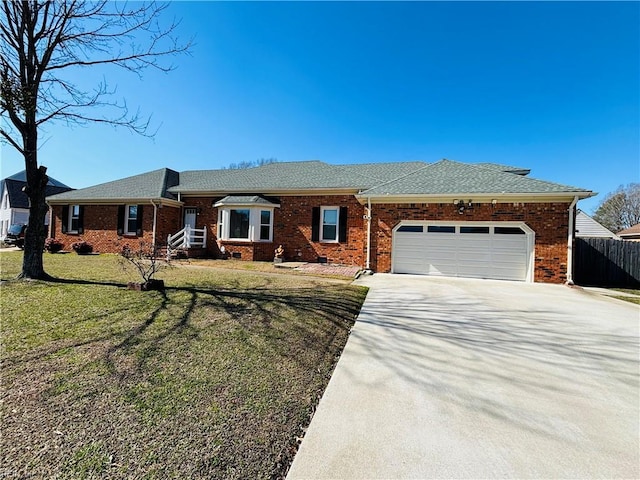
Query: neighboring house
(631,233)
(14,203)
(587,227)
(444,218)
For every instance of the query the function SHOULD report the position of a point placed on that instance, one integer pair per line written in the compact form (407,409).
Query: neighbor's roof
(447,177)
(587,227)
(22,177)
(151,185)
(15,183)
(368,180)
(631,231)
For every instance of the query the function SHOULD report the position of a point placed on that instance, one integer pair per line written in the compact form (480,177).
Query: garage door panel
(502,253)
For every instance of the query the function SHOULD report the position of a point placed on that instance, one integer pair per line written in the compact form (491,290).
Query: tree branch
(11,141)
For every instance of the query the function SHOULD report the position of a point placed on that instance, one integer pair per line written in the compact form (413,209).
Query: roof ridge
(403,176)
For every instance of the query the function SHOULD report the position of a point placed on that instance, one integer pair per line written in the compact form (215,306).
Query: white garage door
(498,251)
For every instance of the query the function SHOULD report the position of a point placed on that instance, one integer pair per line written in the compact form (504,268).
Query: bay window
(250,224)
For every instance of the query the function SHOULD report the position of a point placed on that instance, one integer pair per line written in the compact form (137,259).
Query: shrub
(147,263)
(53,245)
(82,248)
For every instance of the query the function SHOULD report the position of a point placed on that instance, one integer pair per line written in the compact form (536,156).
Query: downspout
(155,221)
(49,230)
(570,241)
(368,217)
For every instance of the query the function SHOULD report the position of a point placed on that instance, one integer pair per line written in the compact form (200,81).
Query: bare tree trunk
(36,233)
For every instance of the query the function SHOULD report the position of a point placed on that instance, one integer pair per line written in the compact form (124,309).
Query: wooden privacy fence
(607,263)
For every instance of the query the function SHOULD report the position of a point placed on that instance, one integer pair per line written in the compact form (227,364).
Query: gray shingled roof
(245,200)
(283,176)
(150,185)
(311,175)
(373,179)
(505,168)
(450,178)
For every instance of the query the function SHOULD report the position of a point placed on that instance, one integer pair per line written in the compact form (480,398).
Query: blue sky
(550,86)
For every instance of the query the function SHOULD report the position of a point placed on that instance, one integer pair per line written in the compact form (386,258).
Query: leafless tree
(620,209)
(251,164)
(41,43)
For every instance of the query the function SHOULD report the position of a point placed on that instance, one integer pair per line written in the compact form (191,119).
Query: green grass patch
(633,291)
(635,300)
(213,378)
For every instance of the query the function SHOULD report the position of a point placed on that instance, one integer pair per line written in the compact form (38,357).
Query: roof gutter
(112,201)
(570,238)
(478,197)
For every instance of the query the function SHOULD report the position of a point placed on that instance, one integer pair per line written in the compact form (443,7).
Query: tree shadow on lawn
(320,311)
(252,310)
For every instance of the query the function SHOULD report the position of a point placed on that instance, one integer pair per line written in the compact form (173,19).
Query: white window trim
(127,218)
(270,224)
(224,223)
(70,219)
(250,230)
(321,236)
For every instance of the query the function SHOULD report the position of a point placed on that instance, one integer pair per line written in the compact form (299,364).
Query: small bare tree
(40,42)
(146,262)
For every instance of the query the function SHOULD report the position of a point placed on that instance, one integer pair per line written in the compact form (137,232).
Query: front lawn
(214,378)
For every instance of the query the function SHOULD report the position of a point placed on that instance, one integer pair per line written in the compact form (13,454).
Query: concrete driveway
(459,378)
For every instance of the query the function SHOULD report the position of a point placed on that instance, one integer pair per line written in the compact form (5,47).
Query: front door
(190,217)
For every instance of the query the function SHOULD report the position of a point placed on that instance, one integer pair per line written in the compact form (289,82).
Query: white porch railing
(187,238)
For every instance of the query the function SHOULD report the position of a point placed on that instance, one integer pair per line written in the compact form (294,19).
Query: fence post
(187,236)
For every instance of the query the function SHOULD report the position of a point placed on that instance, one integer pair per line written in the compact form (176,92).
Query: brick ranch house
(444,218)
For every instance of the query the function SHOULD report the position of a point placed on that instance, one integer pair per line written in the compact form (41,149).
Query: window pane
(239,224)
(509,231)
(265,217)
(330,217)
(265,230)
(132,223)
(133,211)
(474,229)
(441,229)
(75,210)
(412,228)
(329,232)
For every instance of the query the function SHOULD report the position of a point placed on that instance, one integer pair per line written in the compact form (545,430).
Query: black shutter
(342,230)
(65,218)
(315,224)
(120,219)
(139,222)
(81,219)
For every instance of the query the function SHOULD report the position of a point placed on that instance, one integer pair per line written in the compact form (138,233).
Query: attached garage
(501,251)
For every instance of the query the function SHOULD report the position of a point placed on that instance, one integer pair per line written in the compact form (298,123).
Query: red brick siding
(101,224)
(548,220)
(292,229)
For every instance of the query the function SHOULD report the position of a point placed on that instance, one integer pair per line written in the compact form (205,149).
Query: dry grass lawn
(216,377)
